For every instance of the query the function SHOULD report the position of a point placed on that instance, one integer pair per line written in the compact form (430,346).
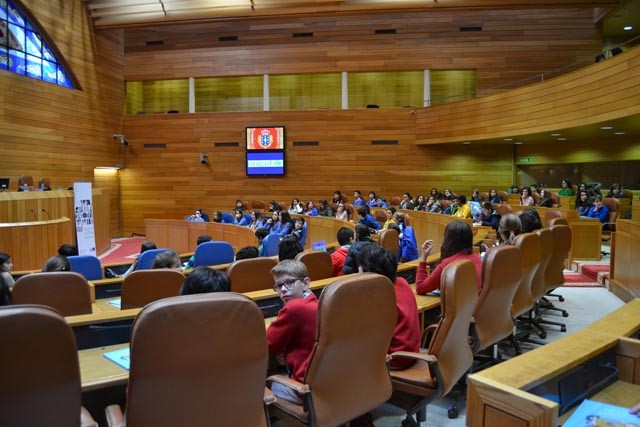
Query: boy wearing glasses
(291,336)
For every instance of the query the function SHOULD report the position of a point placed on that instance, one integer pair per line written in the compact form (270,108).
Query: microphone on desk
(34,215)
(45,211)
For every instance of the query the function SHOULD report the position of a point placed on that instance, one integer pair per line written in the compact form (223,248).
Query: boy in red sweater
(345,238)
(292,334)
(406,335)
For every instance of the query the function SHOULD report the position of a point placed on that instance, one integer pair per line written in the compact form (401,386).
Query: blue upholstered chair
(145,261)
(270,245)
(227,218)
(212,253)
(87,265)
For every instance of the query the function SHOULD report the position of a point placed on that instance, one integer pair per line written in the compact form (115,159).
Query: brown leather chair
(39,370)
(389,239)
(318,264)
(144,286)
(380,216)
(254,274)
(555,200)
(554,275)
(196,360)
(503,196)
(557,221)
(484,196)
(25,179)
(407,219)
(394,201)
(67,292)
(536,198)
(449,355)
(257,205)
(538,286)
(549,215)
(609,226)
(349,208)
(44,184)
(502,208)
(523,302)
(347,373)
(492,320)
(444,203)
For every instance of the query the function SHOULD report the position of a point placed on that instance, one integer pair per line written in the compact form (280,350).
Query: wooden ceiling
(122,13)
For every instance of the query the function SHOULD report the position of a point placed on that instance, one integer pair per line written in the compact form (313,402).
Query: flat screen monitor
(4,184)
(266,163)
(265,138)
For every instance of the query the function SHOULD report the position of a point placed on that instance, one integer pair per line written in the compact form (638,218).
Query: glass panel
(15,15)
(3,9)
(16,37)
(46,53)
(3,33)
(34,44)
(135,98)
(34,67)
(166,95)
(63,79)
(49,72)
(229,94)
(4,58)
(16,62)
(305,91)
(391,89)
(452,86)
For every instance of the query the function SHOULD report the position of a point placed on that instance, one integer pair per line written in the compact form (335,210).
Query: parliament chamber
(382,96)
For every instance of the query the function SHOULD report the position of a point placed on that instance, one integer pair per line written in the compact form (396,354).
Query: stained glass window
(24,51)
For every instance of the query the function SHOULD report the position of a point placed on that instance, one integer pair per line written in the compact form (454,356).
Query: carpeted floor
(122,250)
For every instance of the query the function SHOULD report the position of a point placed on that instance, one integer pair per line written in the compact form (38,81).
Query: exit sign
(525,160)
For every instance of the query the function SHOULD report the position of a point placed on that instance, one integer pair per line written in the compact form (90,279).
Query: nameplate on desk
(119,357)
(116,302)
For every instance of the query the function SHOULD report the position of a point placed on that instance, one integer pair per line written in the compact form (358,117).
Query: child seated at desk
(291,336)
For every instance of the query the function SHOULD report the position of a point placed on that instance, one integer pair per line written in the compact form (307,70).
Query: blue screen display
(265,163)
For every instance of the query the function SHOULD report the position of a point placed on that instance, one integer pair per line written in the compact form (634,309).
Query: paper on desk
(117,302)
(119,357)
(592,413)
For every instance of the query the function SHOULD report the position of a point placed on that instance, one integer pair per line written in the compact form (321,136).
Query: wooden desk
(21,207)
(96,371)
(625,253)
(499,395)
(181,235)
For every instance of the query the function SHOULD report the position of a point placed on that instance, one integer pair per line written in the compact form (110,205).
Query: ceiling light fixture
(556,134)
(508,139)
(618,133)
(517,143)
(562,139)
(606,127)
(466,143)
(627,28)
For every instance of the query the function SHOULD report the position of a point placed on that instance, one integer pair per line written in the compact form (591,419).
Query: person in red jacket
(345,238)
(456,244)
(406,335)
(291,336)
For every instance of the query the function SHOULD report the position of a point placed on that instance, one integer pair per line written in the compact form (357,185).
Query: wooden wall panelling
(169,183)
(512,45)
(60,133)
(626,283)
(603,91)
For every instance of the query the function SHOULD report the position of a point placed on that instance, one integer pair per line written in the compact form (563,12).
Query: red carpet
(122,250)
(592,270)
(579,280)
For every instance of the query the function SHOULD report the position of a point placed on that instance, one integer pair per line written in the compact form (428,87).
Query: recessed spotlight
(508,139)
(556,134)
(562,139)
(618,133)
(466,143)
(606,127)
(517,143)
(627,28)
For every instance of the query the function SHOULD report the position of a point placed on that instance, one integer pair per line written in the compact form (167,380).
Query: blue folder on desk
(117,302)
(119,357)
